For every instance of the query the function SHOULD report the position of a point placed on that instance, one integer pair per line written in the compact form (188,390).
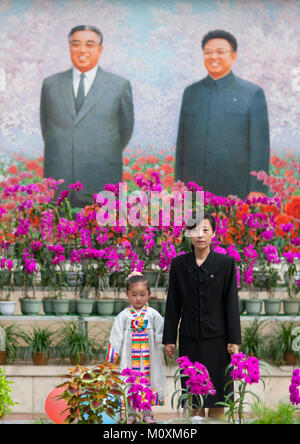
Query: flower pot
(151,275)
(74,279)
(272,307)
(105,307)
(290,358)
(39,358)
(253,306)
(48,306)
(241,305)
(78,360)
(120,305)
(154,303)
(3,356)
(84,307)
(73,306)
(162,307)
(30,307)
(61,306)
(291,307)
(7,307)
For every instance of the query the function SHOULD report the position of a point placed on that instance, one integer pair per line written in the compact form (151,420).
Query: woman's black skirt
(213,354)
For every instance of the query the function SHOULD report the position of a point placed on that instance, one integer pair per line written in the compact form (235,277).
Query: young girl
(136,340)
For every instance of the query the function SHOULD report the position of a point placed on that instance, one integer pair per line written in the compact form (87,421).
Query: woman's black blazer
(206,303)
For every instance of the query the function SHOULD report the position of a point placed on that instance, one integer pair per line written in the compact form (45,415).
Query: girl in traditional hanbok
(136,340)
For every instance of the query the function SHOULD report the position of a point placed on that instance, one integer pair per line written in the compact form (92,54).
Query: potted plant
(2,346)
(270,280)
(282,344)
(29,304)
(90,393)
(254,342)
(13,335)
(292,304)
(7,307)
(6,401)
(75,344)
(40,342)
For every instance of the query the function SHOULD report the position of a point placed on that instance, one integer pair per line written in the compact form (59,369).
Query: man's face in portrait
(218,57)
(85,50)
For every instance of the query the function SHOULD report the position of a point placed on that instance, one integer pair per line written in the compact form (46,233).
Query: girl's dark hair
(220,34)
(135,279)
(197,217)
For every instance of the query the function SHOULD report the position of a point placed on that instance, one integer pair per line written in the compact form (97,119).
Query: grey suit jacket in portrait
(223,135)
(86,147)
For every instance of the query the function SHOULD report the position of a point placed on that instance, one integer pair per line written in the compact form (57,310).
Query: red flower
(13,169)
(168,181)
(292,208)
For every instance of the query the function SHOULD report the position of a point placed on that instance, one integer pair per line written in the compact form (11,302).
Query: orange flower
(40,159)
(126,160)
(169,158)
(32,165)
(167,168)
(13,169)
(168,181)
(153,159)
(142,160)
(136,167)
(292,208)
(283,219)
(39,172)
(127,175)
(149,171)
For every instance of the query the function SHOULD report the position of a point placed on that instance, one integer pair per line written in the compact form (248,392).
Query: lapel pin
(211,275)
(235,99)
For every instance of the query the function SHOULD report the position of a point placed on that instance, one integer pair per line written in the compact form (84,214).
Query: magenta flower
(272,254)
(294,387)
(76,186)
(245,369)
(232,251)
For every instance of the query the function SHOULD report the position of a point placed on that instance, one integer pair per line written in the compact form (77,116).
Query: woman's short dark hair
(197,217)
(220,34)
(135,279)
(86,28)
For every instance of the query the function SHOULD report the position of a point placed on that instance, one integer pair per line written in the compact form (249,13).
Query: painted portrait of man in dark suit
(223,131)
(87,119)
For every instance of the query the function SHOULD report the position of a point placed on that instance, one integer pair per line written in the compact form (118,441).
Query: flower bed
(43,239)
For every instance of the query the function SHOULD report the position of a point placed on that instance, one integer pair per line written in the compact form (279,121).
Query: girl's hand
(232,349)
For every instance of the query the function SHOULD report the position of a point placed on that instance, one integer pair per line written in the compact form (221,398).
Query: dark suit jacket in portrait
(223,135)
(207,305)
(86,147)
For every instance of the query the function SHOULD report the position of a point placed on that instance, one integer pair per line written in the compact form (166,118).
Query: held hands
(170,350)
(232,349)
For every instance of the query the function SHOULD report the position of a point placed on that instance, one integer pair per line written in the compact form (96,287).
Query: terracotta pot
(78,360)
(3,356)
(290,358)
(39,358)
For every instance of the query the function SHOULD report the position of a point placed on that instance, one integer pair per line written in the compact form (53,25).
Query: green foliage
(14,335)
(74,342)
(89,393)
(282,341)
(284,413)
(6,400)
(40,340)
(254,342)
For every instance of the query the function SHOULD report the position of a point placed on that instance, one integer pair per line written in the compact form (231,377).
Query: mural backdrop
(156,45)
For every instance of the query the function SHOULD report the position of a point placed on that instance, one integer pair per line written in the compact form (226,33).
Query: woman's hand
(232,349)
(170,350)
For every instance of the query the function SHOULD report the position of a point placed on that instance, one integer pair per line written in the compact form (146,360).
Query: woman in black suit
(203,296)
